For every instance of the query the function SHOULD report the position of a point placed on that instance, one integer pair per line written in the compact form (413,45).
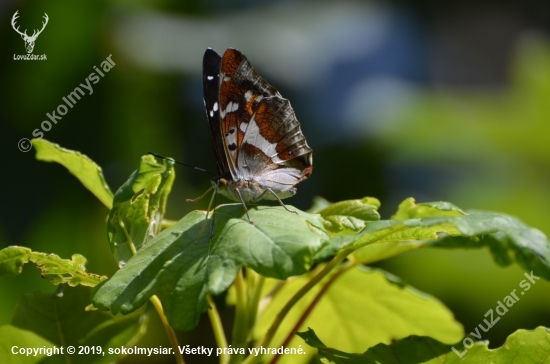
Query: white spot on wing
(209,78)
(248,95)
(211,113)
(231,138)
(215,106)
(252,136)
(231,106)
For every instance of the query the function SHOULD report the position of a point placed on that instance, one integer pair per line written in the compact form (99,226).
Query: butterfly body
(260,150)
(250,191)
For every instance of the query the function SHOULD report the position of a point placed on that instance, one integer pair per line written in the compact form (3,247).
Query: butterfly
(260,151)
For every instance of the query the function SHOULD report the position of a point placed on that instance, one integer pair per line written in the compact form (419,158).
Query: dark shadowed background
(405,98)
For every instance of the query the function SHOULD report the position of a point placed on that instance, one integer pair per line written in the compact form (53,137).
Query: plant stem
(266,300)
(169,330)
(240,325)
(255,284)
(128,237)
(311,306)
(217,327)
(297,296)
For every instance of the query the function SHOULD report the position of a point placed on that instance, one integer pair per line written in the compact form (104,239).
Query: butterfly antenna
(183,164)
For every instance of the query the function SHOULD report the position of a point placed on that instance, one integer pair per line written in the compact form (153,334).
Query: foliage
(53,268)
(285,272)
(532,347)
(61,319)
(82,167)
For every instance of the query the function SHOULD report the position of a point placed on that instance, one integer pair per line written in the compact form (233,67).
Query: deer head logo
(29,40)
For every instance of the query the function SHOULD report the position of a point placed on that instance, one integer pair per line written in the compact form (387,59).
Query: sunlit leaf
(409,209)
(363,307)
(508,238)
(138,207)
(53,268)
(523,346)
(181,265)
(350,215)
(376,252)
(82,167)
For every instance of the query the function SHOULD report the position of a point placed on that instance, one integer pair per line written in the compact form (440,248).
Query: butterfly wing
(241,88)
(274,137)
(260,132)
(211,83)
(253,129)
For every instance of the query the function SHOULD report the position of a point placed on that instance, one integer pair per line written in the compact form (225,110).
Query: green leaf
(14,338)
(53,268)
(508,238)
(82,167)
(379,251)
(390,238)
(385,232)
(350,215)
(138,207)
(523,346)
(318,204)
(63,320)
(181,265)
(408,209)
(362,308)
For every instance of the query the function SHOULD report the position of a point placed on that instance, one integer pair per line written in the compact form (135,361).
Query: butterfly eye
(232,146)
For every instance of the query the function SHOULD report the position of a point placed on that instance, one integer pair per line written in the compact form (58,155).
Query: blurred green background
(405,98)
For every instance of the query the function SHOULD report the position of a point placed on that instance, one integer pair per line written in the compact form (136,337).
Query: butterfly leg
(280,202)
(212,225)
(244,206)
(213,199)
(200,197)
